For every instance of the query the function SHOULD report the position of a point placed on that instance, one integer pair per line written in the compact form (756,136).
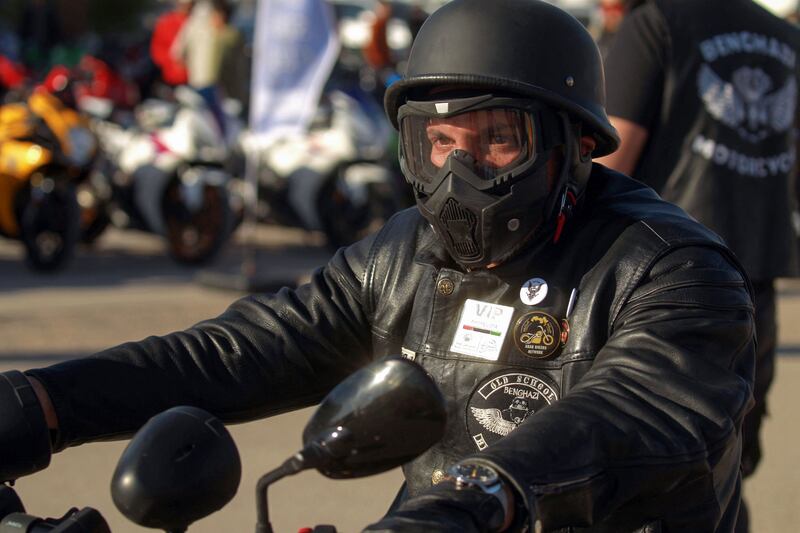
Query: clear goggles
(495,138)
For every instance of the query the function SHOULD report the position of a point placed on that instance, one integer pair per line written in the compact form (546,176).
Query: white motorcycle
(335,178)
(164,175)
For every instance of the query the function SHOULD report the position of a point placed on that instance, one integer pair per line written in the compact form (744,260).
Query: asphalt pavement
(126,288)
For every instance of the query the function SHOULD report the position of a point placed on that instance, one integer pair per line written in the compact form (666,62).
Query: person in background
(12,76)
(168,26)
(704,97)
(377,52)
(610,16)
(234,76)
(203,43)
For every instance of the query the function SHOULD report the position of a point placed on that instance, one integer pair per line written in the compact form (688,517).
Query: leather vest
(727,126)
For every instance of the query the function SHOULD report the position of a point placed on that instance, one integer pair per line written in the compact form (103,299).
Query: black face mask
(480,228)
(483,213)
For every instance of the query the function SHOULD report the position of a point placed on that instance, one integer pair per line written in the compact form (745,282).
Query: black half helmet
(526,47)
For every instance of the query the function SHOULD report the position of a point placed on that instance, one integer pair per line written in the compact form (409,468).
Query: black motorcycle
(183,465)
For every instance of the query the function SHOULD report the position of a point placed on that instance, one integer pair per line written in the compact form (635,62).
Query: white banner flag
(294,49)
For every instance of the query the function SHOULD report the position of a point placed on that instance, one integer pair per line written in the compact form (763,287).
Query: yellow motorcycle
(46,151)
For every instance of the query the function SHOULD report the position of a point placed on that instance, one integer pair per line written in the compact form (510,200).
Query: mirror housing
(182,465)
(379,418)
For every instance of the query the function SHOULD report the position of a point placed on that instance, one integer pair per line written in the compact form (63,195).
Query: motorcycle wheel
(195,236)
(345,221)
(49,226)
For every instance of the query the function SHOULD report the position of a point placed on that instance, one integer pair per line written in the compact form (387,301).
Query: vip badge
(482,329)
(502,402)
(534,291)
(537,335)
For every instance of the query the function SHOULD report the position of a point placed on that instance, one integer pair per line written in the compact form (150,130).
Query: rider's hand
(444,508)
(24,432)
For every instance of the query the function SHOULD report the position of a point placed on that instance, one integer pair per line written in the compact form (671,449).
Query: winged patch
(743,103)
(492,420)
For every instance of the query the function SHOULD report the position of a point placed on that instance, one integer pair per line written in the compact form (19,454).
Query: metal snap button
(446,286)
(437,476)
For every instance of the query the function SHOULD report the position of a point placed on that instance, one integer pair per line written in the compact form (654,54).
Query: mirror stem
(292,466)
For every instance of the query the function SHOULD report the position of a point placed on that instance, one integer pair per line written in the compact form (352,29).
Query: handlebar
(13,518)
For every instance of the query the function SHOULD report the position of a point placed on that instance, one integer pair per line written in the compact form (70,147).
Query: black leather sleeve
(264,355)
(654,424)
(24,436)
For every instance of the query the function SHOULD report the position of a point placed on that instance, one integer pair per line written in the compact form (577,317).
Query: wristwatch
(485,478)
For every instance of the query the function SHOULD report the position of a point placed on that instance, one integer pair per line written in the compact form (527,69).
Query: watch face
(477,473)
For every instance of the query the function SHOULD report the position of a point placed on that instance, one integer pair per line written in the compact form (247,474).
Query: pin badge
(533,291)
(537,335)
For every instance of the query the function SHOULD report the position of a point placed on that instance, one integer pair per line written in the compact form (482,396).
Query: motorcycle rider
(594,343)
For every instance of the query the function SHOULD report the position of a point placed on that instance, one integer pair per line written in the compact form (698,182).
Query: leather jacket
(605,375)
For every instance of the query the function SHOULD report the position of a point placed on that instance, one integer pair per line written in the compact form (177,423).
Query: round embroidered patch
(502,401)
(537,335)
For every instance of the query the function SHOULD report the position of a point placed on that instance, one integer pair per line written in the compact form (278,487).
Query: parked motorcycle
(165,175)
(335,178)
(183,465)
(46,150)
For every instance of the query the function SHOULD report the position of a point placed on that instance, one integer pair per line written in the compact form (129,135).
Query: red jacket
(11,74)
(166,29)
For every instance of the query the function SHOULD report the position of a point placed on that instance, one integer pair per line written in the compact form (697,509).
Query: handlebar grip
(21,522)
(24,435)
(87,520)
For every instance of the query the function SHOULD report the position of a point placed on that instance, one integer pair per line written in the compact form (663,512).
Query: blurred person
(12,76)
(593,342)
(704,96)
(611,15)
(234,79)
(167,27)
(377,53)
(205,40)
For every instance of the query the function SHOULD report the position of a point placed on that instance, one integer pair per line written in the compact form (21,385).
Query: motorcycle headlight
(81,146)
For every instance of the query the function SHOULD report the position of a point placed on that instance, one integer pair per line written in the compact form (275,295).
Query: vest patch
(749,102)
(504,400)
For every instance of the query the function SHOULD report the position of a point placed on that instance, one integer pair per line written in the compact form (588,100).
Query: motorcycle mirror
(182,465)
(379,418)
